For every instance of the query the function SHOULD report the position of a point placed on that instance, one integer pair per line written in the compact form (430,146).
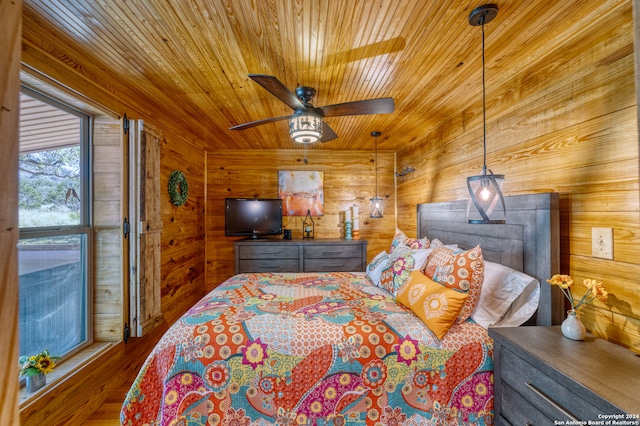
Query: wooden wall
(108,246)
(10,28)
(565,122)
(349,180)
(183,235)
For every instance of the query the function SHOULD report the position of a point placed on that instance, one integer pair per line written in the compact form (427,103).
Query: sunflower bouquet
(33,365)
(594,290)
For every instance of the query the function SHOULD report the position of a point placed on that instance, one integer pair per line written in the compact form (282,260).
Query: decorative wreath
(178,188)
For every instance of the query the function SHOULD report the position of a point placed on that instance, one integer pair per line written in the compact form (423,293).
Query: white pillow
(377,265)
(508,298)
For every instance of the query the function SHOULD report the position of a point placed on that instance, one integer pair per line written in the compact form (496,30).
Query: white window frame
(85,226)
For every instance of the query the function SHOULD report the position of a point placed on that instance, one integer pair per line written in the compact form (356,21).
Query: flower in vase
(594,290)
(42,363)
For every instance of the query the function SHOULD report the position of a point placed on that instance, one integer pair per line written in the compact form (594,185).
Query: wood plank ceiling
(191,59)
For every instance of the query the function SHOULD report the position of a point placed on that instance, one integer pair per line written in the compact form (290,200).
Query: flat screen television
(252,217)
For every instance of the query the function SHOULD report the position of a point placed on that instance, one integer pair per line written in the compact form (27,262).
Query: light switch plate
(602,243)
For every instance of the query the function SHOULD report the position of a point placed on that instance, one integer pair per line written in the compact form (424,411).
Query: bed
(352,348)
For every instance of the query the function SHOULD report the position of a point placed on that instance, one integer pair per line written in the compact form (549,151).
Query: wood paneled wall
(183,231)
(10,30)
(108,248)
(349,180)
(565,122)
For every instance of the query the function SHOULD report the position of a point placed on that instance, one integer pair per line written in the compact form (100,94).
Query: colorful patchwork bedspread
(311,349)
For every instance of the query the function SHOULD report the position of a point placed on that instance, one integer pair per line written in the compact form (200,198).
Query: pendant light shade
(377,204)
(305,127)
(486,202)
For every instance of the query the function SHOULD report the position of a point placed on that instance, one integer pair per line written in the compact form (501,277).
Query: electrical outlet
(602,243)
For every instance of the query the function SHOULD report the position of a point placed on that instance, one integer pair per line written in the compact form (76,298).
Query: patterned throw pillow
(436,305)
(401,239)
(401,262)
(459,270)
(378,263)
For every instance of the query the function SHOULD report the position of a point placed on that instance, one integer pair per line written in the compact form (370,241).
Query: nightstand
(543,378)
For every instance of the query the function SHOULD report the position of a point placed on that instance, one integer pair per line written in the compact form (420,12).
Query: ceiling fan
(306,124)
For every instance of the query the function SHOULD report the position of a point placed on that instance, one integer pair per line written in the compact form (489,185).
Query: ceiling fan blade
(327,133)
(278,90)
(258,123)
(370,106)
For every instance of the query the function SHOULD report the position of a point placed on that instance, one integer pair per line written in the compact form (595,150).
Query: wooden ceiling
(191,58)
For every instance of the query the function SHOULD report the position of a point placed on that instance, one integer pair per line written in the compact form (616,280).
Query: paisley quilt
(311,349)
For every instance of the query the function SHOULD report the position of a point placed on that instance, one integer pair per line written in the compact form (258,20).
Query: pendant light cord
(376,150)
(484,107)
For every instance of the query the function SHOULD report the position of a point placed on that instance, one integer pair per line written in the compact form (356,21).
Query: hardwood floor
(109,413)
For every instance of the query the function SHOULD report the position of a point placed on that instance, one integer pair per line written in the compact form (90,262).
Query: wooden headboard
(529,242)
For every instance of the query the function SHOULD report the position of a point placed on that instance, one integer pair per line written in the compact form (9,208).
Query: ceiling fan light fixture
(305,127)
(485,189)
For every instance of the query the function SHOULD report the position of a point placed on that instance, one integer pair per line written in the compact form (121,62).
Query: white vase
(572,328)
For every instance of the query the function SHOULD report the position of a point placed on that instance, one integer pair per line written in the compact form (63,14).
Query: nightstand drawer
(348,264)
(516,410)
(268,265)
(275,251)
(332,251)
(544,392)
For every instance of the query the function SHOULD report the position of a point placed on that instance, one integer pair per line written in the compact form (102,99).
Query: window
(54,256)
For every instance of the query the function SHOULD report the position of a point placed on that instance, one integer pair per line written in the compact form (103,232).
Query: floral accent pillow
(375,267)
(401,239)
(401,262)
(436,305)
(459,270)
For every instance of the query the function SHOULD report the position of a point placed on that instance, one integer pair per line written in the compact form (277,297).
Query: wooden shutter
(146,227)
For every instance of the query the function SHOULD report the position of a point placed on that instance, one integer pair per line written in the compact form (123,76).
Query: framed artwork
(300,192)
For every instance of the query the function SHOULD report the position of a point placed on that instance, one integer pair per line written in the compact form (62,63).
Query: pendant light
(486,203)
(377,204)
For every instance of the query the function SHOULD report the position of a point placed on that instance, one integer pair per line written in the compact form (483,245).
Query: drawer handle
(337,265)
(271,252)
(269,267)
(332,251)
(551,401)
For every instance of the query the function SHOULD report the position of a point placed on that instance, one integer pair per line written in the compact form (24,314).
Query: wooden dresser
(311,255)
(543,378)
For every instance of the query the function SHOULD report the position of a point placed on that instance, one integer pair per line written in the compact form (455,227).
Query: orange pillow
(436,305)
(458,270)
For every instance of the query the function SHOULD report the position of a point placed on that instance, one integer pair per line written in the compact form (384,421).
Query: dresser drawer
(273,251)
(268,265)
(332,251)
(312,255)
(337,264)
(550,397)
